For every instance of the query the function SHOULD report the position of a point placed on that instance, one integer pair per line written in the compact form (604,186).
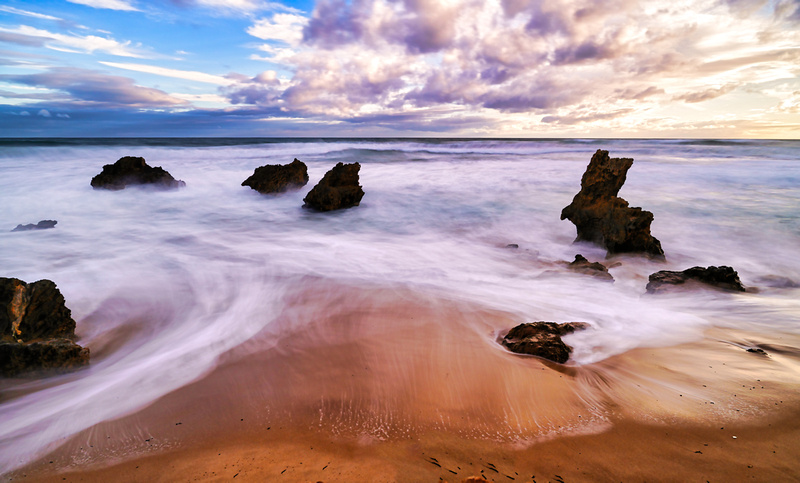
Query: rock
(58,355)
(277,178)
(594,269)
(338,189)
(130,170)
(36,329)
(512,246)
(601,217)
(42,225)
(542,339)
(724,278)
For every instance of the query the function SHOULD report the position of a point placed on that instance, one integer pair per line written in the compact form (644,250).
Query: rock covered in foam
(36,329)
(722,278)
(338,189)
(278,178)
(602,217)
(130,171)
(42,225)
(542,339)
(593,269)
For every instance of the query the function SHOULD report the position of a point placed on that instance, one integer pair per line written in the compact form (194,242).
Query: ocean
(162,284)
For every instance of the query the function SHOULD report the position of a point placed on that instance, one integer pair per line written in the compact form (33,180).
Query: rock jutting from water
(722,278)
(37,331)
(42,225)
(278,178)
(601,217)
(338,189)
(593,269)
(130,171)
(542,339)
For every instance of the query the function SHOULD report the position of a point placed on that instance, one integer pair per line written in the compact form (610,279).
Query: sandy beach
(356,383)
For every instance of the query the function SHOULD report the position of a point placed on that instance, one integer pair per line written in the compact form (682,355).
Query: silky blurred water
(163,282)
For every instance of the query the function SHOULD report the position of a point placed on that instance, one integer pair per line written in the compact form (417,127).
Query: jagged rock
(130,170)
(36,329)
(601,217)
(542,339)
(724,278)
(42,225)
(338,189)
(594,269)
(277,178)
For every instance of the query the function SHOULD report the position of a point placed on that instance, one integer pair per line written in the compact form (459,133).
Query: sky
(400,68)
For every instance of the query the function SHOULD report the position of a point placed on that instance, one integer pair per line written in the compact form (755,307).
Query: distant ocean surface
(161,283)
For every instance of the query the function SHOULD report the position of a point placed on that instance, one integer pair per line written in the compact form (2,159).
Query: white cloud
(283,27)
(76,43)
(245,6)
(178,74)
(26,13)
(107,4)
(44,113)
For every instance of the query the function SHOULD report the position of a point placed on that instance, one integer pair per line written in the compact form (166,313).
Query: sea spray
(162,283)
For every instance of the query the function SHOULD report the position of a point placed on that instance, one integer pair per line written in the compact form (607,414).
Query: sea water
(161,283)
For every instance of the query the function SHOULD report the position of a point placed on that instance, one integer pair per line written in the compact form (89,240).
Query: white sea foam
(162,283)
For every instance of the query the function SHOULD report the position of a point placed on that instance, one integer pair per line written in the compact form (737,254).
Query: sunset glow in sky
(495,68)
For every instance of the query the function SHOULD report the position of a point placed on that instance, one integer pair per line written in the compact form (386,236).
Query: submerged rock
(723,278)
(601,217)
(594,269)
(36,329)
(42,225)
(277,178)
(542,339)
(338,189)
(129,171)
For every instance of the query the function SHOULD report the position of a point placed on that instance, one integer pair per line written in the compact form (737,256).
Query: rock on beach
(278,178)
(602,217)
(37,331)
(722,278)
(542,339)
(130,171)
(337,190)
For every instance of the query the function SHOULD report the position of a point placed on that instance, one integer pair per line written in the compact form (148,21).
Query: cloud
(44,113)
(107,4)
(178,74)
(283,27)
(21,39)
(82,88)
(31,36)
(27,13)
(705,94)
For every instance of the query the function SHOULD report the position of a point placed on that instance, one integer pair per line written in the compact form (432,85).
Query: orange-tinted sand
(357,384)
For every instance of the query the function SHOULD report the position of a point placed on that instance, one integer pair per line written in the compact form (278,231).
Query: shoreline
(365,384)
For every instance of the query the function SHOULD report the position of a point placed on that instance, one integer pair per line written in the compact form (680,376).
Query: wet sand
(364,384)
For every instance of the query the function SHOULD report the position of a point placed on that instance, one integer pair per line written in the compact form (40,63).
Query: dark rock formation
(42,225)
(724,278)
(594,269)
(601,217)
(36,329)
(542,339)
(338,189)
(277,178)
(130,170)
